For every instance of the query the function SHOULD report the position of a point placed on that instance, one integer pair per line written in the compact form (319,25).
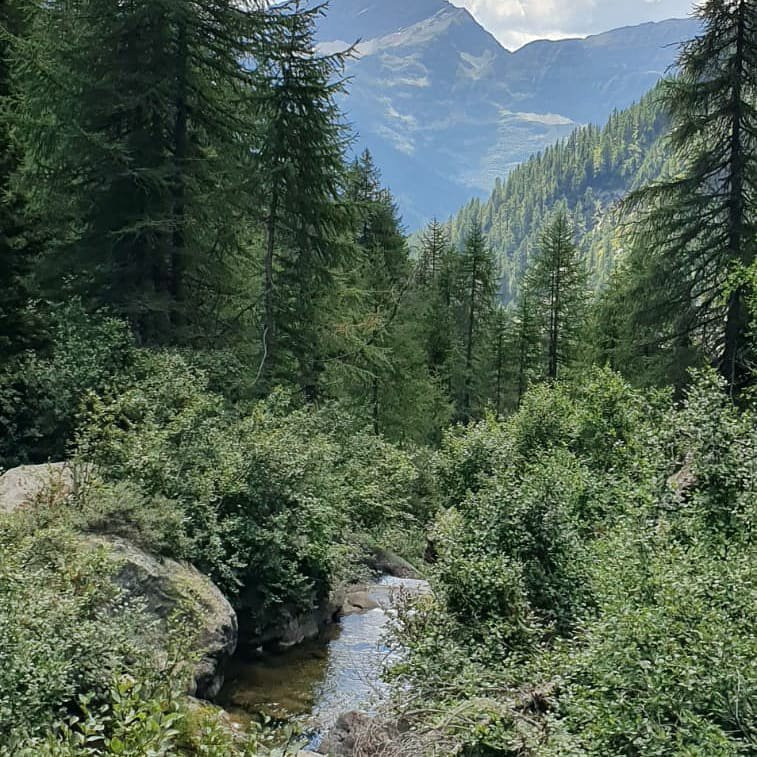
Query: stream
(310,685)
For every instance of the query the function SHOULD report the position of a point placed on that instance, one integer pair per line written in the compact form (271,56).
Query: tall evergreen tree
(477,294)
(501,365)
(136,126)
(299,163)
(15,242)
(700,227)
(557,280)
(434,244)
(524,344)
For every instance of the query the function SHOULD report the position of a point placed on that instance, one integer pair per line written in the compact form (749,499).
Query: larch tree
(557,280)
(699,228)
(299,164)
(383,278)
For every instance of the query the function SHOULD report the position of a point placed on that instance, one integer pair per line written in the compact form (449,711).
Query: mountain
(587,173)
(446,109)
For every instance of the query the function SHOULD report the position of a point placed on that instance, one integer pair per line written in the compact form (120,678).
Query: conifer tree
(437,283)
(477,294)
(136,126)
(15,243)
(557,281)
(700,226)
(299,164)
(524,343)
(501,365)
(434,244)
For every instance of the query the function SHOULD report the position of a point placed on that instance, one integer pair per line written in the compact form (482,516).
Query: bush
(65,629)
(41,392)
(275,499)
(626,524)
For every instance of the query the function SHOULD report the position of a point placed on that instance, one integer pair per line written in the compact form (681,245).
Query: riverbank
(308,687)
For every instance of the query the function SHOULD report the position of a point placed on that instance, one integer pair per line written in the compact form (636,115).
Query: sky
(516,22)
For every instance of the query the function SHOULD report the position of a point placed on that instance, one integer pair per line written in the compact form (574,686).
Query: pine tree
(557,280)
(382,276)
(524,344)
(501,359)
(699,230)
(15,243)
(434,244)
(299,165)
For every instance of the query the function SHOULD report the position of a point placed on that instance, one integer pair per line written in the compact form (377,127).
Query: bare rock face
(164,586)
(357,600)
(385,561)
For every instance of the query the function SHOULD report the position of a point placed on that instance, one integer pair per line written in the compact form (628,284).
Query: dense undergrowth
(276,502)
(595,583)
(593,561)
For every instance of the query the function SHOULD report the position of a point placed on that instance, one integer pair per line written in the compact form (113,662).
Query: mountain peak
(348,20)
(443,105)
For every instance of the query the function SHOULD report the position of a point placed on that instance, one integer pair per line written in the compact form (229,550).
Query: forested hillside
(236,409)
(587,174)
(440,102)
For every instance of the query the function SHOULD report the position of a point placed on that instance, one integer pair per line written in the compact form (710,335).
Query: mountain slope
(588,173)
(446,109)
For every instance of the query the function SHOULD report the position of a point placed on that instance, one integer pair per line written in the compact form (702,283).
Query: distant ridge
(587,173)
(446,109)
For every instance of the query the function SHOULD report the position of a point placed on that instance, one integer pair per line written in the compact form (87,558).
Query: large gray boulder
(166,586)
(387,562)
(163,586)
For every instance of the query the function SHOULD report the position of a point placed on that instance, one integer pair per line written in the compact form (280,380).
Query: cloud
(516,22)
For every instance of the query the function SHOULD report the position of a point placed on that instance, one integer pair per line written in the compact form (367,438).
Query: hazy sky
(515,22)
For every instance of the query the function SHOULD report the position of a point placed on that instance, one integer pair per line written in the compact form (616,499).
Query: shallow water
(312,684)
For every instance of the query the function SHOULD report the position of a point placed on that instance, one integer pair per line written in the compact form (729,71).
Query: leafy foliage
(273,498)
(41,391)
(586,577)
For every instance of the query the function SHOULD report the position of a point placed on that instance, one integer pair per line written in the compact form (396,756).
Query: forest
(259,380)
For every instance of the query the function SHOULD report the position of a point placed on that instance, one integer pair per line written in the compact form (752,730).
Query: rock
(683,481)
(341,740)
(52,483)
(260,632)
(357,600)
(358,733)
(385,561)
(164,585)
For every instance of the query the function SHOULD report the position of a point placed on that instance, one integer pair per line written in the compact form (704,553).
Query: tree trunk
(469,346)
(269,321)
(736,315)
(178,246)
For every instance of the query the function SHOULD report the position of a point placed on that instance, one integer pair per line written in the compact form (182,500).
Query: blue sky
(515,22)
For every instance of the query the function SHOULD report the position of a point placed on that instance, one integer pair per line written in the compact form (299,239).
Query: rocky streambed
(328,662)
(309,686)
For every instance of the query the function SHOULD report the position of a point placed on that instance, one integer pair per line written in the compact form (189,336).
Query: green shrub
(41,392)
(65,629)
(275,499)
(625,523)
